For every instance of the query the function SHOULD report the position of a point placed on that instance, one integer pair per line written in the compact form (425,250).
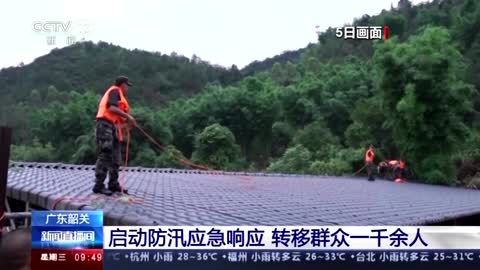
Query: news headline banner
(67,240)
(291,238)
(67,229)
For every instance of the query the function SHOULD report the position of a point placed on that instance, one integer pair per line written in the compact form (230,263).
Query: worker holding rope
(112,117)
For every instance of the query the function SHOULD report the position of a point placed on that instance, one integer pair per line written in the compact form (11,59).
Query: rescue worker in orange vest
(398,170)
(369,156)
(393,163)
(113,115)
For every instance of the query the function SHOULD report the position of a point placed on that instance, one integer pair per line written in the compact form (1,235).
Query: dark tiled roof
(188,197)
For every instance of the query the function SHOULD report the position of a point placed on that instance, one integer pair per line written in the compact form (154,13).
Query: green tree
(367,127)
(278,74)
(63,124)
(426,99)
(298,109)
(316,137)
(216,147)
(35,98)
(282,134)
(145,157)
(86,151)
(296,159)
(396,23)
(36,152)
(170,158)
(52,94)
(333,167)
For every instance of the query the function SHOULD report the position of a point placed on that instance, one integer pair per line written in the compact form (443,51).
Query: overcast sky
(222,32)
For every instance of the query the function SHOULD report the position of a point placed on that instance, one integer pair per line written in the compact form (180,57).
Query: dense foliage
(158,77)
(414,96)
(215,147)
(264,65)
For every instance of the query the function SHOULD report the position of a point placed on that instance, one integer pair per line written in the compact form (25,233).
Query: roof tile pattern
(188,197)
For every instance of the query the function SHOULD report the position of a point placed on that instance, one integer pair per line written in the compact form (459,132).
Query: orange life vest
(392,163)
(115,119)
(369,155)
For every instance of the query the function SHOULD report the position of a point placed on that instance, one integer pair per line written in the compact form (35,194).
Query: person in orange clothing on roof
(112,116)
(396,167)
(393,164)
(383,168)
(398,171)
(369,156)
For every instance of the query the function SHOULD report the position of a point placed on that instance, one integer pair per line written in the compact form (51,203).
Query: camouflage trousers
(109,156)
(371,168)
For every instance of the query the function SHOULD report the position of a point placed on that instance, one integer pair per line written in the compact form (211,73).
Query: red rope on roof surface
(183,161)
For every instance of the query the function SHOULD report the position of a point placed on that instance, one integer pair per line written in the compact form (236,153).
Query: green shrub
(334,167)
(436,169)
(215,146)
(170,158)
(33,153)
(296,159)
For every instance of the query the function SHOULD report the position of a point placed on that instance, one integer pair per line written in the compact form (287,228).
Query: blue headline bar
(221,237)
(67,237)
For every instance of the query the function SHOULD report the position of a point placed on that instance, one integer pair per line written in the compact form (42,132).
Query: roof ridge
(59,165)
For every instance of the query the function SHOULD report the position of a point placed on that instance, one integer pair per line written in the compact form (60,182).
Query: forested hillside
(91,66)
(159,78)
(266,64)
(413,96)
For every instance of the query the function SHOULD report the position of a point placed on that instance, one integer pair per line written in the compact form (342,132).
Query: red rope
(190,164)
(57,201)
(185,162)
(360,169)
(150,138)
(122,176)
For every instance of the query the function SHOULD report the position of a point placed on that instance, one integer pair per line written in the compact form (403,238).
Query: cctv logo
(81,27)
(52,26)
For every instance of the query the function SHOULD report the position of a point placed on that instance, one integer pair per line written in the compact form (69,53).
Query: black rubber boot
(370,172)
(102,190)
(118,189)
